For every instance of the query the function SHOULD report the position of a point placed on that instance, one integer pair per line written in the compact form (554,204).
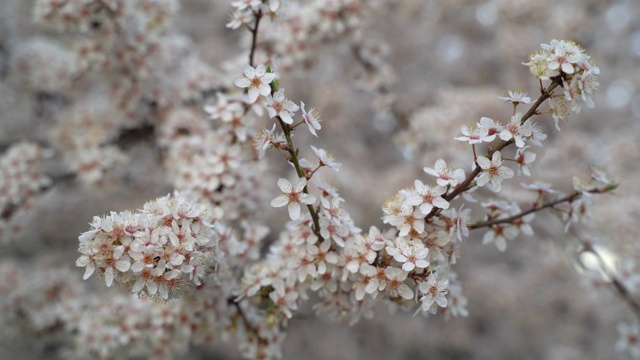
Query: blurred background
(451,60)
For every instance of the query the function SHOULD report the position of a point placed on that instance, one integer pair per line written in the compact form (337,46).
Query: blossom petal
(108,276)
(294,210)
(285,185)
(242,83)
(88,272)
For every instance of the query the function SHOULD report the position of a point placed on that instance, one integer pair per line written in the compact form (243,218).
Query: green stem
(301,174)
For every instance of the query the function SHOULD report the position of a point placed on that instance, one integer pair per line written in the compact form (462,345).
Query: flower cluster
(246,11)
(111,329)
(159,250)
(45,66)
(84,136)
(304,29)
(38,306)
(131,56)
(213,162)
(575,71)
(21,179)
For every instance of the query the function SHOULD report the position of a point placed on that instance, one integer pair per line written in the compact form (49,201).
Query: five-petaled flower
(326,159)
(434,291)
(293,196)
(516,130)
(492,173)
(257,81)
(475,135)
(524,159)
(279,105)
(427,197)
(395,283)
(516,97)
(264,141)
(446,175)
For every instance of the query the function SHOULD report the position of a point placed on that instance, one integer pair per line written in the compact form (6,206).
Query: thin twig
(254,37)
(569,198)
(624,293)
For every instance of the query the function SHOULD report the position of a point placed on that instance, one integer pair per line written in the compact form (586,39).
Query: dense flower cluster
(84,136)
(213,160)
(575,69)
(45,66)
(21,179)
(306,27)
(112,329)
(42,306)
(162,250)
(134,39)
(129,55)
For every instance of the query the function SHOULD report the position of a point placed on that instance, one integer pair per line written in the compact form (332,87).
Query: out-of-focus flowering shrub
(220,258)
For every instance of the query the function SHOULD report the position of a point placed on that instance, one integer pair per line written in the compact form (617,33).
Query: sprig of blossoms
(578,75)
(159,250)
(154,249)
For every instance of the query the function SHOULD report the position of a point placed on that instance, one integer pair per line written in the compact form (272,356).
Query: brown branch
(463,186)
(615,282)
(254,37)
(569,198)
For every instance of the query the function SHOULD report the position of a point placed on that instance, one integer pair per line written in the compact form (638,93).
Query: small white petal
(280,201)
(294,210)
(139,284)
(88,271)
(123,265)
(242,83)
(405,292)
(108,276)
(285,185)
